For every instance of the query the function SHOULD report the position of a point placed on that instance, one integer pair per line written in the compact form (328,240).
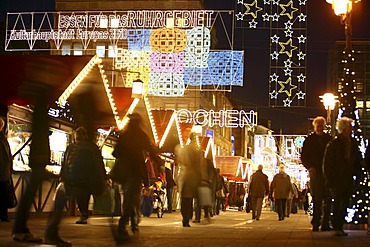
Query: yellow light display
(287,47)
(283,85)
(168,40)
(254,6)
(284,8)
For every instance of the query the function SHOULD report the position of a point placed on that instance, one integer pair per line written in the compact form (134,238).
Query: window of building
(112,51)
(77,49)
(66,50)
(100,50)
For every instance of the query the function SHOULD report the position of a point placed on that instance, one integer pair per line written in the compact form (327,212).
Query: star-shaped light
(301,55)
(302,17)
(256,9)
(302,39)
(274,55)
(301,95)
(239,16)
(276,2)
(288,25)
(288,72)
(274,77)
(287,102)
(275,39)
(288,33)
(287,48)
(266,17)
(302,2)
(273,95)
(292,9)
(275,17)
(253,24)
(284,84)
(288,63)
(266,2)
(301,77)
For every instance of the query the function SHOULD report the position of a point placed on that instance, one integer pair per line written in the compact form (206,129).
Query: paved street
(231,228)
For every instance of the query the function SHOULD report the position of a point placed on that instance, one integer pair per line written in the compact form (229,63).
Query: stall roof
(232,167)
(80,79)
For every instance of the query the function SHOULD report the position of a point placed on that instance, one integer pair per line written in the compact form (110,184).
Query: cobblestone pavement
(230,228)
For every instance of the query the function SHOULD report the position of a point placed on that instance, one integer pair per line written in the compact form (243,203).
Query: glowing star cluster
(287,21)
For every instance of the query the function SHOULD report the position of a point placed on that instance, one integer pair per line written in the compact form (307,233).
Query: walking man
(312,156)
(342,161)
(258,189)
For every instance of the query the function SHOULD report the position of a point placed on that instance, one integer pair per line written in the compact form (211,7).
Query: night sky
(324,29)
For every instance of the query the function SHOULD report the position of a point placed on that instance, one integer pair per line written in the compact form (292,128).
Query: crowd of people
(331,162)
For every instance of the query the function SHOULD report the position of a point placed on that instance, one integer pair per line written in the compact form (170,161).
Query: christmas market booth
(71,78)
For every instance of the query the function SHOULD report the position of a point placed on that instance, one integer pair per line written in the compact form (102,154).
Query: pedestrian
(130,171)
(221,192)
(6,168)
(208,209)
(191,161)
(82,175)
(38,159)
(258,189)
(293,195)
(312,155)
(279,190)
(171,184)
(305,198)
(342,161)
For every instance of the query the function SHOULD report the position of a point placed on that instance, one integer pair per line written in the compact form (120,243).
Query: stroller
(157,193)
(153,200)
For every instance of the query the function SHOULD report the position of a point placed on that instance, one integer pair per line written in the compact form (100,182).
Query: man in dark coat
(342,161)
(312,155)
(129,154)
(258,189)
(280,188)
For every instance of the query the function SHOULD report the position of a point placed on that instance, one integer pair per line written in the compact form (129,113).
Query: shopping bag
(205,196)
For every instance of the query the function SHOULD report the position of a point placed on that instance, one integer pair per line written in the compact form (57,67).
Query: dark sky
(324,29)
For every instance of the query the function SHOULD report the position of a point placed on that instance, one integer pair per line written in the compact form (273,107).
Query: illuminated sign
(223,118)
(96,26)
(287,21)
(170,51)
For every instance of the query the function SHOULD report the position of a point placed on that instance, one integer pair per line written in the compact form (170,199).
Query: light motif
(126,58)
(224,68)
(252,9)
(287,48)
(166,84)
(138,39)
(274,55)
(198,47)
(285,12)
(284,87)
(168,40)
(167,62)
(222,118)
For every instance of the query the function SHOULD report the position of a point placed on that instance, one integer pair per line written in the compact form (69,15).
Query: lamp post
(344,9)
(329,100)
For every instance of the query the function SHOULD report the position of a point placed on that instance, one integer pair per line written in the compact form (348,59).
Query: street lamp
(329,100)
(344,9)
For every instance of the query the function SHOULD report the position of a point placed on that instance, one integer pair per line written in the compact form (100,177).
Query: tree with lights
(358,210)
